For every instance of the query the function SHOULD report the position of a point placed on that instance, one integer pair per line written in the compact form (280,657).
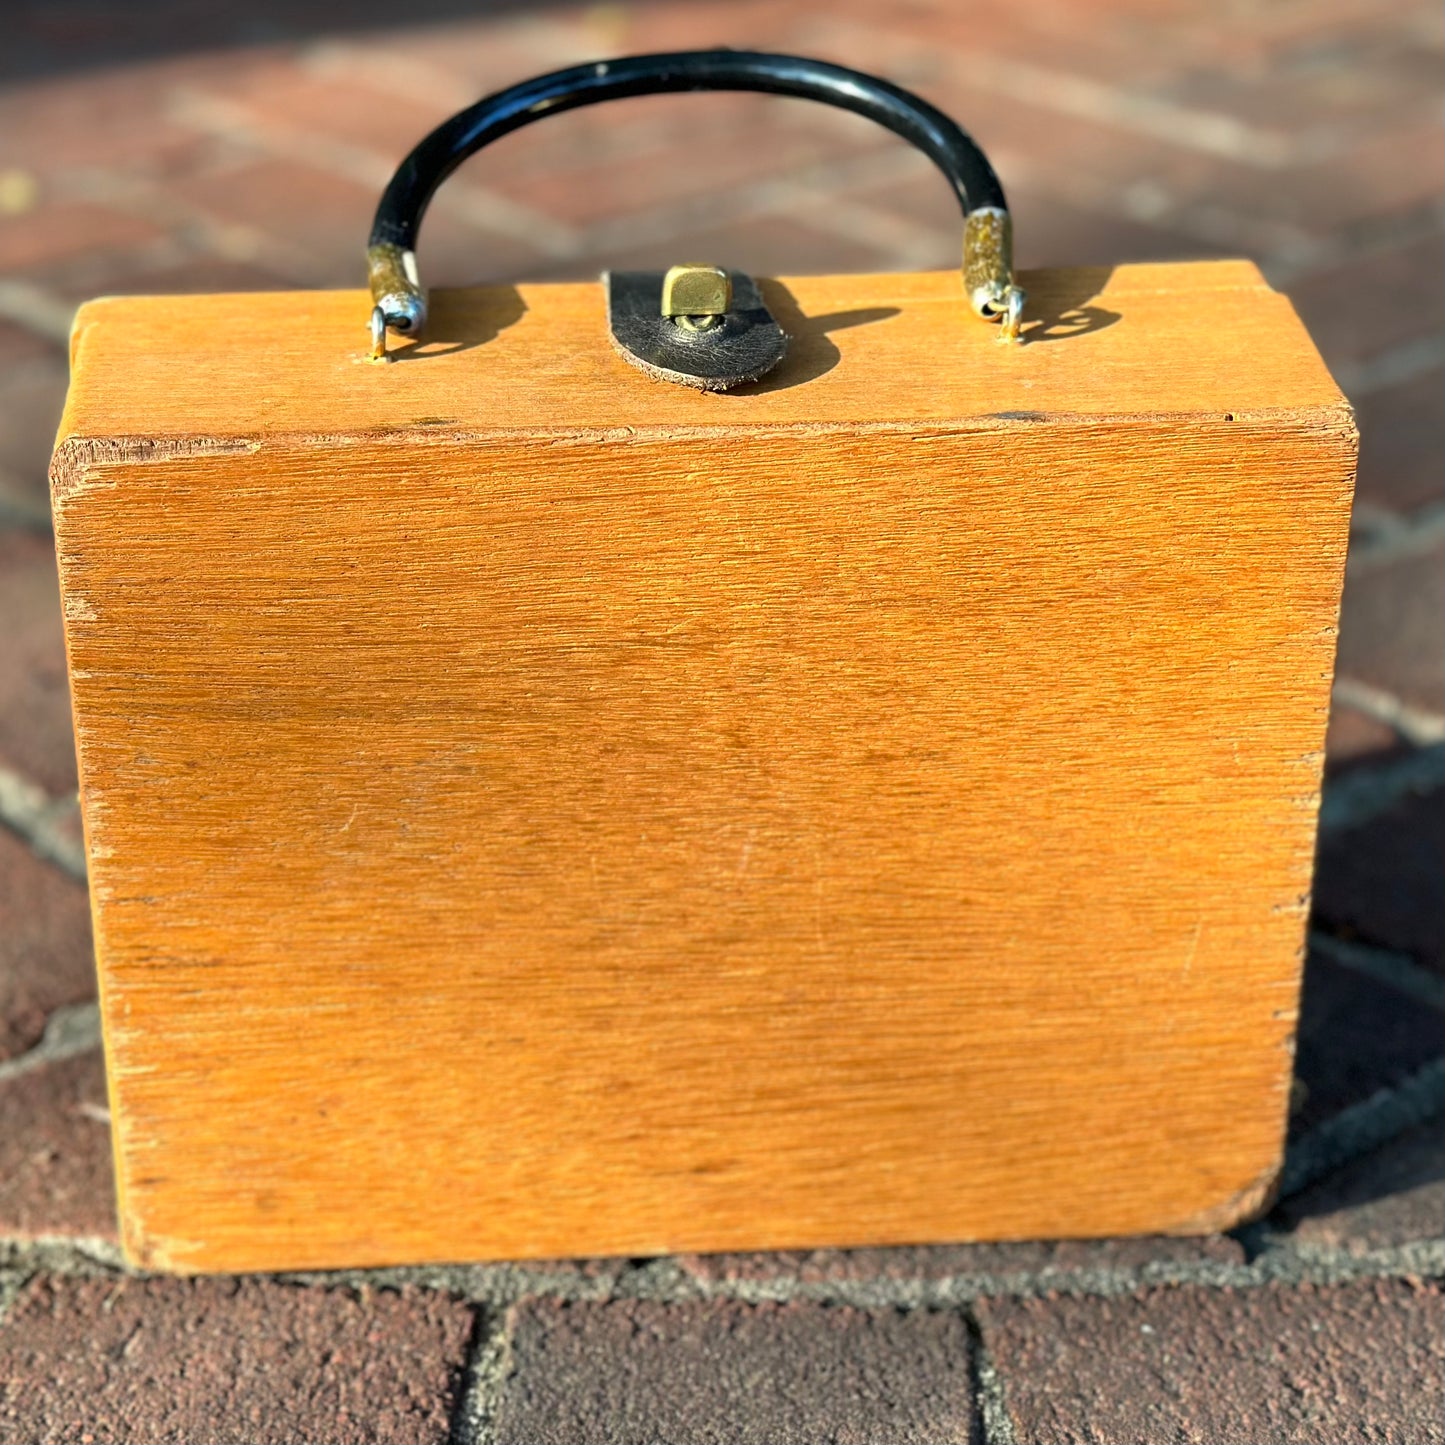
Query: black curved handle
(987,250)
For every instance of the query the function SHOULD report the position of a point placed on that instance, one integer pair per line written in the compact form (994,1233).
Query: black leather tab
(745,344)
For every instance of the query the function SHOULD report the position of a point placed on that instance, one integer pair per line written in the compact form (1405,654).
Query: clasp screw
(695,296)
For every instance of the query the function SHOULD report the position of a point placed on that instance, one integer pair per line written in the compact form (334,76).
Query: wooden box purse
(863,794)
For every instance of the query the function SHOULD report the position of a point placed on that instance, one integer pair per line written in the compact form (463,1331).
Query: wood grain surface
(534,810)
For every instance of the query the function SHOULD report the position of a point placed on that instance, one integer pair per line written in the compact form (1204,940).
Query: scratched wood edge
(83,461)
(486,377)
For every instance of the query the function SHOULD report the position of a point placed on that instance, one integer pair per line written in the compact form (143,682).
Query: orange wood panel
(534,810)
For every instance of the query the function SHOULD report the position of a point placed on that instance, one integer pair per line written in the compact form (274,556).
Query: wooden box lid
(1148,341)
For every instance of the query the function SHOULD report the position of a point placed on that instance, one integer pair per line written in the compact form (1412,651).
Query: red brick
(1402,439)
(745,24)
(63,230)
(453,251)
(576,167)
(55,1167)
(1391,1197)
(60,835)
(1097,162)
(1271,29)
(596,137)
(930,1264)
(1325,89)
(708,146)
(1063,38)
(1356,1037)
(795,1374)
(20,348)
(318,220)
(35,736)
(1396,171)
(45,950)
(462,61)
(1031,143)
(32,395)
(1048,230)
(764,245)
(1392,627)
(1271,206)
(1381,882)
(245,1361)
(310,226)
(19,507)
(294,106)
(66,37)
(1354,736)
(1287,1366)
(194,275)
(632,135)
(1347,311)
(110,119)
(1052,232)
(1165,61)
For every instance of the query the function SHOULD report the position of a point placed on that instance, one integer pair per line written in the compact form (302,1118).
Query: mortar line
(1389,966)
(1369,522)
(1282,1261)
(36,310)
(1369,791)
(19,511)
(34,815)
(1392,367)
(990,1398)
(1405,538)
(70,1029)
(1363,1128)
(489,210)
(488,1359)
(1069,93)
(772,195)
(1356,243)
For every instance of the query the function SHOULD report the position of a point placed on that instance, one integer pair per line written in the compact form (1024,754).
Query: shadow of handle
(810,353)
(1060,308)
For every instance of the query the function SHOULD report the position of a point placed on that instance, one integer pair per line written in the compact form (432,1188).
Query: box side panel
(623,847)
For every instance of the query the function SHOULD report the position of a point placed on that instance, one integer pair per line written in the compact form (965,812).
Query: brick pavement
(171,147)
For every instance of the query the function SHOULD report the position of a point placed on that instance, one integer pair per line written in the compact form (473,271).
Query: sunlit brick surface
(181,146)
